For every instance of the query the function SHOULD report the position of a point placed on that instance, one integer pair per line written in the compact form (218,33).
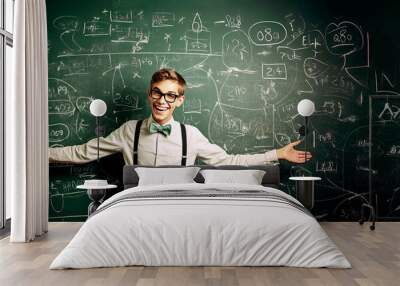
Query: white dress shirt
(156,149)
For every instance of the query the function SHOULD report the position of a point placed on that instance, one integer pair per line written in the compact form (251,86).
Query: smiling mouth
(160,108)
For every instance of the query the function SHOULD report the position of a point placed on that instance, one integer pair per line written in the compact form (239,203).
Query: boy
(160,140)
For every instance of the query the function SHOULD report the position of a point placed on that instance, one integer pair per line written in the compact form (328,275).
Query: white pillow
(164,176)
(249,177)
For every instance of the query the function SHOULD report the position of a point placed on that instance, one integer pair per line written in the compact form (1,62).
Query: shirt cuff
(271,156)
(50,154)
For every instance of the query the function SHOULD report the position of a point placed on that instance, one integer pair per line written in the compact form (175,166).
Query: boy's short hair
(169,74)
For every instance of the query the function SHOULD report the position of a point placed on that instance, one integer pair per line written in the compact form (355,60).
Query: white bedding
(189,230)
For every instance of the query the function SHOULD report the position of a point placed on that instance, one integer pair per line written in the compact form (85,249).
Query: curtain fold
(27,124)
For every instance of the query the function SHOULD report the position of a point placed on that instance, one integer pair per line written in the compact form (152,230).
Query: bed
(201,224)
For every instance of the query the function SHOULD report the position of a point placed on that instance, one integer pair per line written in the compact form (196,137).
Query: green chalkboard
(247,65)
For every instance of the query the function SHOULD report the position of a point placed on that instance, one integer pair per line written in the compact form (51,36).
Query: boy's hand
(292,155)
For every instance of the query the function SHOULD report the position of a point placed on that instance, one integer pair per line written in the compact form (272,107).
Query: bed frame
(270,179)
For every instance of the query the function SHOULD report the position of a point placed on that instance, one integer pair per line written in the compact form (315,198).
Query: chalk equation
(245,76)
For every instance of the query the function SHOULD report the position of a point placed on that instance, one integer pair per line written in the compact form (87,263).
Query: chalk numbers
(233,22)
(272,71)
(62,90)
(63,108)
(267,35)
(238,49)
(342,37)
(56,133)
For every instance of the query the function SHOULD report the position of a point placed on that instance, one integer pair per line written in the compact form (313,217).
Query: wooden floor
(375,256)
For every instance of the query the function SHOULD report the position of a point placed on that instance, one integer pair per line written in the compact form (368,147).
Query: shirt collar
(151,120)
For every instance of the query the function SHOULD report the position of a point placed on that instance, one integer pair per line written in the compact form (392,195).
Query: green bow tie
(163,129)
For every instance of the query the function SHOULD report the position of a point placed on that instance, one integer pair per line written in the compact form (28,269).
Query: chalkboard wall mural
(247,65)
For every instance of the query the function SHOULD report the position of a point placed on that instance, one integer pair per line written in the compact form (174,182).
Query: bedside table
(305,190)
(96,193)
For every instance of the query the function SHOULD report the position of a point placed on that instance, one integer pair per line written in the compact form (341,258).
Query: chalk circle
(267,33)
(344,38)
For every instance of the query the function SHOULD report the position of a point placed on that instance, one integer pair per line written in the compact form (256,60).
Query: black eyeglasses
(169,97)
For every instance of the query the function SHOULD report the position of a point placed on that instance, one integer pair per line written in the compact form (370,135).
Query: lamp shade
(98,107)
(306,107)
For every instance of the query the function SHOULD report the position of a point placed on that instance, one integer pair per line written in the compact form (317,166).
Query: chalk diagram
(244,78)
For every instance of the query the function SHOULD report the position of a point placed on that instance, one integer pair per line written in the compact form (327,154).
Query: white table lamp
(306,108)
(98,108)
(305,184)
(96,189)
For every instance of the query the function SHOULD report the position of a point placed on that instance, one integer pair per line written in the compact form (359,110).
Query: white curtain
(27,123)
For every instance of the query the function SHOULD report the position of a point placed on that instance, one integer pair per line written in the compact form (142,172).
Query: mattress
(201,225)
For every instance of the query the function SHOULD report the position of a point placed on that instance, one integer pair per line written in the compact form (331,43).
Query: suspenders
(136,143)
(184,145)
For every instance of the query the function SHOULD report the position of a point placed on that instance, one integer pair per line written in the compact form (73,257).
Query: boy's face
(162,109)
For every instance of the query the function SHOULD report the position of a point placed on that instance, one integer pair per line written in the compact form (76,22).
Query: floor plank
(375,257)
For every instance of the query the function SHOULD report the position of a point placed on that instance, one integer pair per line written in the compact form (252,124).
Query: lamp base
(305,190)
(305,193)
(96,196)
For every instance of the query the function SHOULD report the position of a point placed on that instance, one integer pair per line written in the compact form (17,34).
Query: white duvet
(207,230)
